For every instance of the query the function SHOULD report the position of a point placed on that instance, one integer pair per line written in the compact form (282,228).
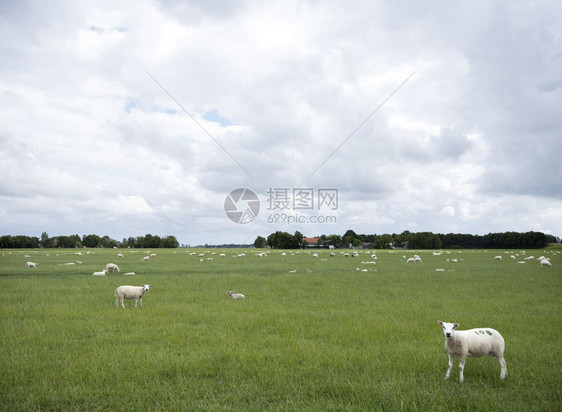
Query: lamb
(112,267)
(102,273)
(31,265)
(235,295)
(473,342)
(130,292)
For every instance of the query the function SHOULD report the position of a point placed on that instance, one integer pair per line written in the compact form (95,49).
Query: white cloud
(89,143)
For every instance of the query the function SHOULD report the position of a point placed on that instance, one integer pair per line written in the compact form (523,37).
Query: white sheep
(498,257)
(146,258)
(31,265)
(102,273)
(130,292)
(129,274)
(112,267)
(546,262)
(473,342)
(235,295)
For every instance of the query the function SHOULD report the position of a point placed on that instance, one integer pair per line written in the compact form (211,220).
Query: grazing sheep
(411,260)
(130,292)
(546,262)
(120,255)
(112,267)
(129,274)
(146,258)
(102,273)
(31,265)
(473,342)
(498,257)
(235,295)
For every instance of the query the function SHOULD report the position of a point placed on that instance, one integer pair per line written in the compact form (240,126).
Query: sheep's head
(146,287)
(448,328)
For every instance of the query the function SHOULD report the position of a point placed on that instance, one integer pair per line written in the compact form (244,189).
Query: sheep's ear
(456,325)
(440,323)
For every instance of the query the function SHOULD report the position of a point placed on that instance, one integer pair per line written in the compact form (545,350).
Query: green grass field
(328,337)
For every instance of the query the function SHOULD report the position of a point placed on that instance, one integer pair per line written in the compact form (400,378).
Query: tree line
(411,240)
(90,241)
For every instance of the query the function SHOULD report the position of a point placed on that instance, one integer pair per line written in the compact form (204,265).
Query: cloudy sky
(123,118)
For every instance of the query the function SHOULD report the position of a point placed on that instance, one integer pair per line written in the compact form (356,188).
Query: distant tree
(383,241)
(281,240)
(298,240)
(45,241)
(91,240)
(348,238)
(260,242)
(334,240)
(169,242)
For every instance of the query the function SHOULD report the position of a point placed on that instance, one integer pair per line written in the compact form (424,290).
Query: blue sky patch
(214,116)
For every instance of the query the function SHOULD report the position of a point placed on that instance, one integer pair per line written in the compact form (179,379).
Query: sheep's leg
(117,302)
(136,301)
(461,368)
(140,301)
(451,359)
(123,302)
(503,366)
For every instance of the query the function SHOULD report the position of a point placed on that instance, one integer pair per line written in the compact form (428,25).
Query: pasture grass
(327,337)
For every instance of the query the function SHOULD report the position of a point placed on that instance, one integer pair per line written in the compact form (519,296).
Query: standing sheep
(31,265)
(473,342)
(112,267)
(130,292)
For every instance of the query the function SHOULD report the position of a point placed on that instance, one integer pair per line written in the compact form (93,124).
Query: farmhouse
(310,241)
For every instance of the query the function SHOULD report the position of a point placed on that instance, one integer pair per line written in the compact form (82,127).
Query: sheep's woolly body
(235,295)
(130,292)
(113,267)
(476,342)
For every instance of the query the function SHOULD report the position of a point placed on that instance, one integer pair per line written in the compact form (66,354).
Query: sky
(123,118)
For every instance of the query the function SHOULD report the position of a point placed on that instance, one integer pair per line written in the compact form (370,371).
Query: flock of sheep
(476,342)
